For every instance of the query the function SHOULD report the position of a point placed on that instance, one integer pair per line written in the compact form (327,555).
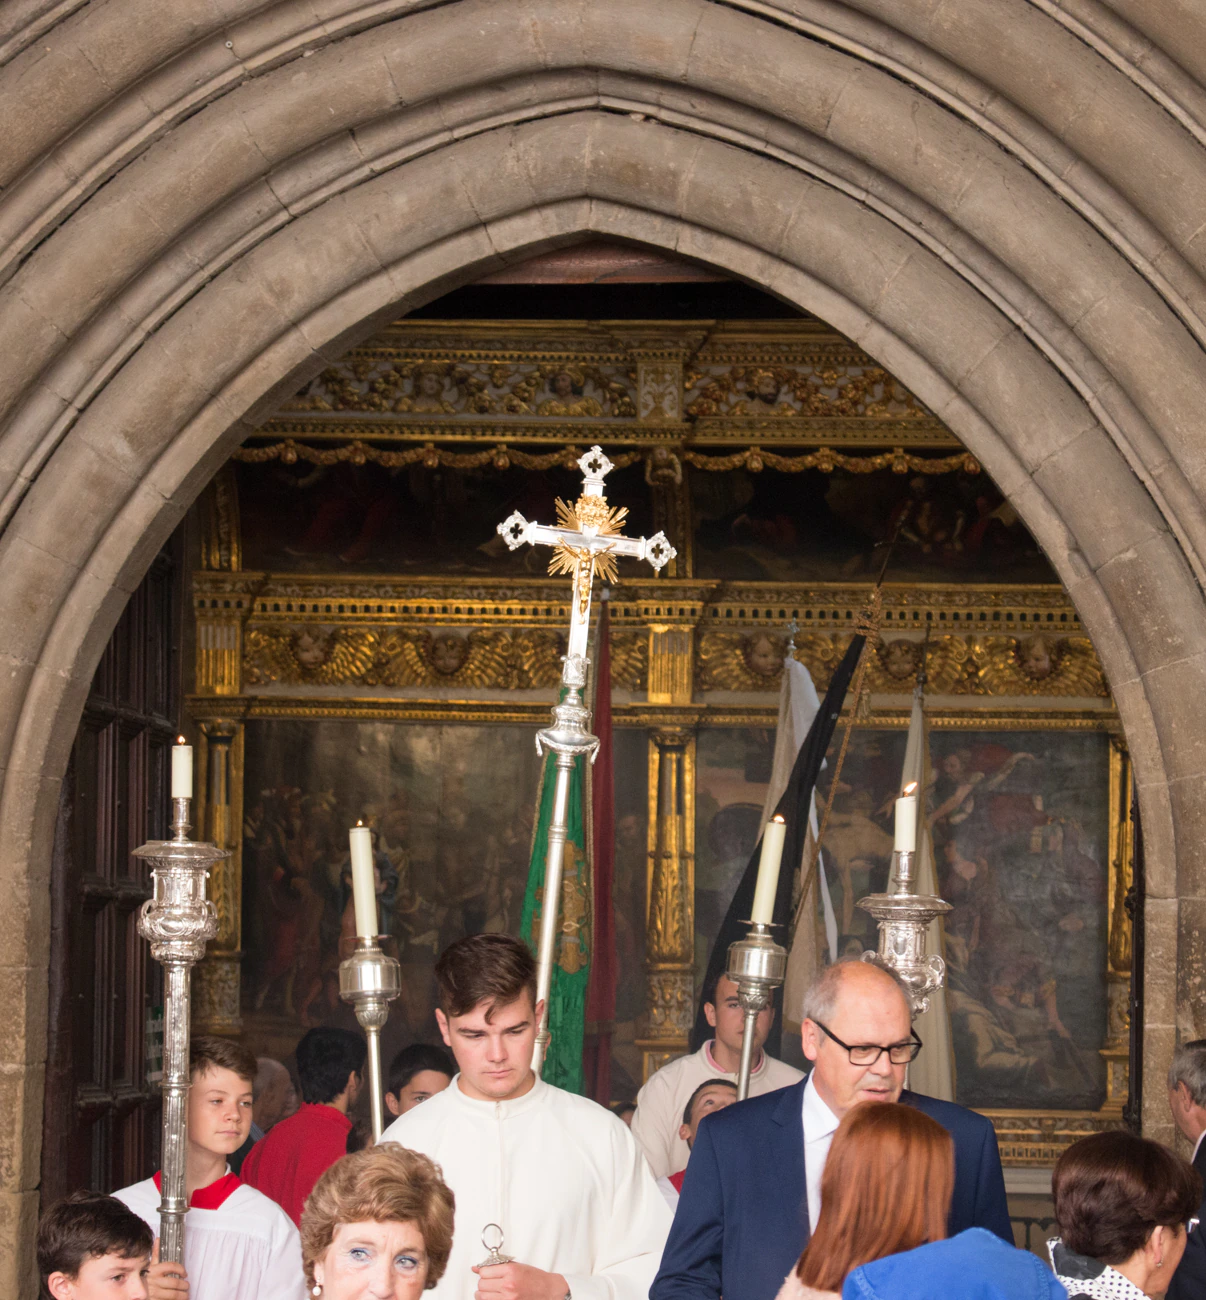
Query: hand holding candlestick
(369,980)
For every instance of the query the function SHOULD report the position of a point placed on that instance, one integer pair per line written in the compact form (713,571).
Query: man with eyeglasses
(752,1191)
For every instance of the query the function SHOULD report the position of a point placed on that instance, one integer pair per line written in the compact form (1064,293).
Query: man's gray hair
(1189,1067)
(821,997)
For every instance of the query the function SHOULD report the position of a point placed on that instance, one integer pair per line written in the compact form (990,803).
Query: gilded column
(1116,1051)
(222,600)
(216,984)
(670,915)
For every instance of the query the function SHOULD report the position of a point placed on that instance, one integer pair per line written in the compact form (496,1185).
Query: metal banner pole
(586,541)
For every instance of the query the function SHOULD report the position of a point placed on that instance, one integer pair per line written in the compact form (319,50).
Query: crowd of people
(490,1184)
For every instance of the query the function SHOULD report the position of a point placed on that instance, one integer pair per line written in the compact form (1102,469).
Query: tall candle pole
(757,964)
(177,921)
(370,979)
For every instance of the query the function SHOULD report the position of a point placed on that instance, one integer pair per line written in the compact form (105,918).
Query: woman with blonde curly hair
(377,1226)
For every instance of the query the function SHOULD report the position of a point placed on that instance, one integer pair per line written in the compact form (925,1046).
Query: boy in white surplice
(562,1176)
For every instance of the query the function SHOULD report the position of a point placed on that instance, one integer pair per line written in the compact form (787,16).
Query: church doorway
(1025,279)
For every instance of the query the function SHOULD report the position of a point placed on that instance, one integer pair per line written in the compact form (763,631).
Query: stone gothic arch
(1000,200)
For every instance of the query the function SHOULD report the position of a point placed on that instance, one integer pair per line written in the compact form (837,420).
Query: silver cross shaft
(581,550)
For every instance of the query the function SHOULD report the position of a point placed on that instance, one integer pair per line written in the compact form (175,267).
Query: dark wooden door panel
(101,1121)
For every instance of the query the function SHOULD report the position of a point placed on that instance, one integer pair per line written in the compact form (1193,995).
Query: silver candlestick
(369,980)
(904,918)
(757,965)
(177,921)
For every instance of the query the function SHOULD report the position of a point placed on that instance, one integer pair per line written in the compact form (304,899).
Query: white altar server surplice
(559,1174)
(238,1245)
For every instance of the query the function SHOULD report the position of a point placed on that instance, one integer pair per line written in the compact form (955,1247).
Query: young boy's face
(219,1111)
(103,1277)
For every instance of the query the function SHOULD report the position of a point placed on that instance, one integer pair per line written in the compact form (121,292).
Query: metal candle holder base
(369,981)
(177,920)
(757,965)
(904,918)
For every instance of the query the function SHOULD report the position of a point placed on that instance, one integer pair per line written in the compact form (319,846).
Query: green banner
(571,954)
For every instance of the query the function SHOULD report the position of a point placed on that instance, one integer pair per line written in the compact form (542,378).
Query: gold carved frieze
(483,659)
(789,380)
(1038,665)
(1039,1138)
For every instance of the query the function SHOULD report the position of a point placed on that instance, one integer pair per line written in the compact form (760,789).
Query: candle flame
(911,788)
(778,817)
(359,822)
(180,740)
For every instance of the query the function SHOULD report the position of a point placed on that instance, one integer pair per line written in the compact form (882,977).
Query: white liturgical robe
(238,1245)
(559,1174)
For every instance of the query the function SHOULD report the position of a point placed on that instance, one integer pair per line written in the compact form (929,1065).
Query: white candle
(768,871)
(905,840)
(364,880)
(182,770)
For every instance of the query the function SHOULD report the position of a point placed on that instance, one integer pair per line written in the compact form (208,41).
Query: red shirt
(291,1157)
(676,1180)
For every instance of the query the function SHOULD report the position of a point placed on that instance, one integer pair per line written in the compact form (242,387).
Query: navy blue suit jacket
(742,1219)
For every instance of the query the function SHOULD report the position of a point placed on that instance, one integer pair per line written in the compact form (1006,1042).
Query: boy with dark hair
(416,1073)
(287,1162)
(711,1095)
(237,1244)
(559,1174)
(657,1122)
(92,1247)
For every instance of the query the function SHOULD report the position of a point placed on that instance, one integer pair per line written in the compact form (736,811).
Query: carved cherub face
(448,654)
(765,387)
(562,384)
(1037,657)
(762,656)
(309,650)
(431,383)
(900,658)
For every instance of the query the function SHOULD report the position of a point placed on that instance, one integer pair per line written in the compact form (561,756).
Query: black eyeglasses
(869,1053)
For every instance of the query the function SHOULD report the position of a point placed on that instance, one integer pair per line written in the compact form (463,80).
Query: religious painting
(1020,826)
(819,527)
(452,839)
(346,518)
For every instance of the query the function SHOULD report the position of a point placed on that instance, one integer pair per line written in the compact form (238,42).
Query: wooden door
(101,1119)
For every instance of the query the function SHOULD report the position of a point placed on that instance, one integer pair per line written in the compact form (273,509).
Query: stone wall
(201,205)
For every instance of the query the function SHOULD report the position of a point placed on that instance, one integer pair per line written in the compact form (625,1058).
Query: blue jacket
(975,1265)
(742,1219)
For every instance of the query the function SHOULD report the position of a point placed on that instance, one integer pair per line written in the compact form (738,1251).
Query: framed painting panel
(1021,830)
(453,841)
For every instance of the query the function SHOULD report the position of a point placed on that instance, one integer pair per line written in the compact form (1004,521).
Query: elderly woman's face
(373,1261)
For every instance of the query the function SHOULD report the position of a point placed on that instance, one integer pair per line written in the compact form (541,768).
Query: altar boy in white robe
(579,1210)
(238,1245)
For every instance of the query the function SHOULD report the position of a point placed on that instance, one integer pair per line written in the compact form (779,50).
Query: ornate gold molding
(1039,664)
(534,381)
(680,640)
(1039,1138)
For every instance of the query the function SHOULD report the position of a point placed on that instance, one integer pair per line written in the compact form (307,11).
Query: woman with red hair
(886,1188)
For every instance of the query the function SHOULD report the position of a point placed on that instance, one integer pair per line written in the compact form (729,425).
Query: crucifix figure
(586,540)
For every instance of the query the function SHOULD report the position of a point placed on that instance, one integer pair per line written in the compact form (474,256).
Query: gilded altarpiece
(366,649)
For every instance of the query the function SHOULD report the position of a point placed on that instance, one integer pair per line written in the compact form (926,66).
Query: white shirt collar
(819,1120)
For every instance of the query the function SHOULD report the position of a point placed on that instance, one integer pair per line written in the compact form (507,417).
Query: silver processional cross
(586,541)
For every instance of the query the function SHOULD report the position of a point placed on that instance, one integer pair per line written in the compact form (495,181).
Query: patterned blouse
(1089,1278)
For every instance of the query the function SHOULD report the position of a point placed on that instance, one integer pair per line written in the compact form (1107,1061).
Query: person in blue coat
(975,1265)
(753,1184)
